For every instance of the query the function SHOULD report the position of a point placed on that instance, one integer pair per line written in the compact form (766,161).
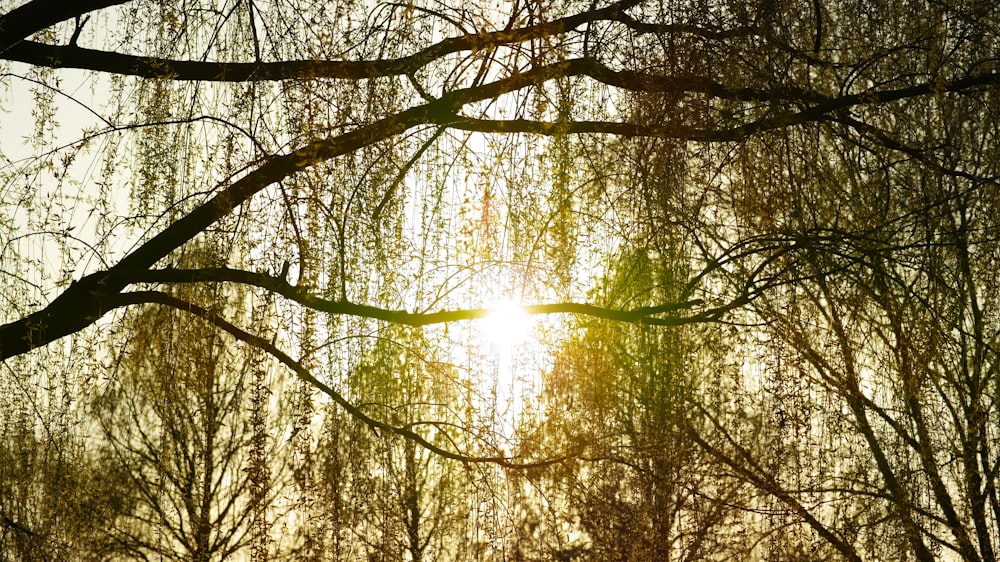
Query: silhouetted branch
(653,315)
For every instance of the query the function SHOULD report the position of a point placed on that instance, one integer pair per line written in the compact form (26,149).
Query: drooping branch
(164,299)
(925,155)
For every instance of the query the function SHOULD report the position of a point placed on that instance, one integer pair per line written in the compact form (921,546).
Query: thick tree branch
(301,295)
(35,16)
(788,103)
(70,56)
(73,56)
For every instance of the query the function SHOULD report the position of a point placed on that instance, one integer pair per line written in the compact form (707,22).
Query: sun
(507,325)
(505,331)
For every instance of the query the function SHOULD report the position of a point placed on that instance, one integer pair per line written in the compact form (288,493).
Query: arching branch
(164,299)
(71,56)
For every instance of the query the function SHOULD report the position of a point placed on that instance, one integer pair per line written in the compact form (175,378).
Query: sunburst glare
(507,325)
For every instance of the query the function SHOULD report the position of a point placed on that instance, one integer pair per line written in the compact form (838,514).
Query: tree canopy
(248,249)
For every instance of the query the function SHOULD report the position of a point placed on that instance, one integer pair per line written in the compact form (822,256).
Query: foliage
(246,248)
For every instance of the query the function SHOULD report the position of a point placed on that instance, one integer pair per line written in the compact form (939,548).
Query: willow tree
(333,152)
(176,437)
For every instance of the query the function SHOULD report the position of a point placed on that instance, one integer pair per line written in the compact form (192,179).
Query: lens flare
(507,325)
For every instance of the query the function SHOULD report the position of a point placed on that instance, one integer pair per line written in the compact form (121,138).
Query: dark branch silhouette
(278,285)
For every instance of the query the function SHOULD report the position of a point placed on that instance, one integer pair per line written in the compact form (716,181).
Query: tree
(834,210)
(642,490)
(384,494)
(884,333)
(176,437)
(762,106)
(54,502)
